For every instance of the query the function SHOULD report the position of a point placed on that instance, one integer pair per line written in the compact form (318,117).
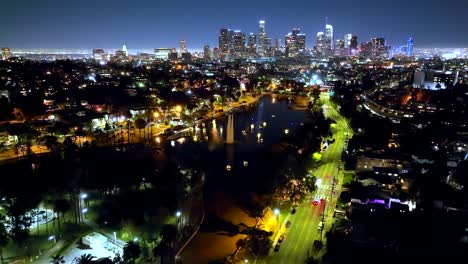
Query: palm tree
(140,124)
(162,249)
(84,259)
(131,252)
(57,259)
(61,206)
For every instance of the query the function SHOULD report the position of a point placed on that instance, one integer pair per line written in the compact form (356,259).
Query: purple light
(378,201)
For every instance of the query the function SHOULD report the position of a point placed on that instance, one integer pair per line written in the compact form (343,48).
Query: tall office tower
(354,42)
(347,40)
(340,44)
(223,41)
(252,44)
(378,47)
(409,47)
(162,53)
(124,49)
(6,53)
(207,52)
(277,43)
(294,42)
(183,46)
(290,42)
(320,41)
(301,41)
(366,49)
(328,37)
(262,38)
(98,54)
(238,38)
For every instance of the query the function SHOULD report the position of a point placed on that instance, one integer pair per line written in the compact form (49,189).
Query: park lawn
(348,178)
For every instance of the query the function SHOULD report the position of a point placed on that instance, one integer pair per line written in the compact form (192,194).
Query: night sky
(154,23)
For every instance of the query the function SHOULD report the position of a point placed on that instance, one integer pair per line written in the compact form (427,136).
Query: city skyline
(143,24)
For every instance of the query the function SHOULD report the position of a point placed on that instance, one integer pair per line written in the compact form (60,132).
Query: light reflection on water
(255,132)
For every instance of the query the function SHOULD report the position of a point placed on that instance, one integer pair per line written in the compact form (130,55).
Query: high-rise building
(238,39)
(347,40)
(294,42)
(162,53)
(366,49)
(207,52)
(252,44)
(378,47)
(173,56)
(340,44)
(124,49)
(320,41)
(224,40)
(6,53)
(98,54)
(409,47)
(183,46)
(354,43)
(262,39)
(329,37)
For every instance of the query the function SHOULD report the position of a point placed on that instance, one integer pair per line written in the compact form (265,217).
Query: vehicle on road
(288,224)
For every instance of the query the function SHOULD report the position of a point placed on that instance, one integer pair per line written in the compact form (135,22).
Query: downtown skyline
(146,25)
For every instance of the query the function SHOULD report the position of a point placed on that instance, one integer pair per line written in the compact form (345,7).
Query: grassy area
(348,178)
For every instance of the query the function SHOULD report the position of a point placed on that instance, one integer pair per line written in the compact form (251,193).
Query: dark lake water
(256,154)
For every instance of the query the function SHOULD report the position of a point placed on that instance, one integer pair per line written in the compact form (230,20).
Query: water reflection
(256,130)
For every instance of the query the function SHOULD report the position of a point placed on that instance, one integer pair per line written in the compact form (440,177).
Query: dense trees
(131,252)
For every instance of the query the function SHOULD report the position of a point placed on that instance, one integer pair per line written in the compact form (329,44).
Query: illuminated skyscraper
(354,43)
(347,40)
(409,47)
(124,49)
(294,42)
(98,54)
(224,41)
(252,44)
(207,52)
(238,38)
(328,37)
(378,47)
(183,46)
(262,39)
(320,41)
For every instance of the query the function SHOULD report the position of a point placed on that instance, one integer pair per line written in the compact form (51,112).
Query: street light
(276,211)
(178,214)
(246,261)
(84,196)
(84,211)
(52,238)
(135,239)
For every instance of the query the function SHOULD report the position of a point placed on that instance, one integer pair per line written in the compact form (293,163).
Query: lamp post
(178,215)
(276,211)
(52,238)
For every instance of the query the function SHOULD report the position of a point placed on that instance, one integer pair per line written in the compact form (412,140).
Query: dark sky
(163,23)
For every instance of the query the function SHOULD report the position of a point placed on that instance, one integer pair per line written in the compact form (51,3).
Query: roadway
(299,238)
